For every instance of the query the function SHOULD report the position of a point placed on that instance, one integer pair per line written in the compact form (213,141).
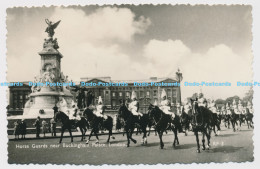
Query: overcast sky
(207,43)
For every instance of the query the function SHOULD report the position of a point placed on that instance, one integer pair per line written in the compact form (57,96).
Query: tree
(249,96)
(220,101)
(230,99)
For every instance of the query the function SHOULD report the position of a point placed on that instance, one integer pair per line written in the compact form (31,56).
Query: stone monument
(44,97)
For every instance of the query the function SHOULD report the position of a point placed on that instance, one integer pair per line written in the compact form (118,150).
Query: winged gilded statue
(51,27)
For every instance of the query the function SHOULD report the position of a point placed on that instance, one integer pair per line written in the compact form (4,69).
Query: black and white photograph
(130,84)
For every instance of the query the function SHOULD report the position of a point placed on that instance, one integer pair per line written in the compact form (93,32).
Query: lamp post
(179,79)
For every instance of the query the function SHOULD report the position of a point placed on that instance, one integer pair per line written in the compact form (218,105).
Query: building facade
(112,95)
(18,96)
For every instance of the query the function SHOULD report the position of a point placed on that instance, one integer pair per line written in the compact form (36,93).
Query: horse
(216,121)
(226,118)
(130,122)
(98,122)
(68,124)
(249,119)
(150,125)
(185,121)
(234,118)
(162,121)
(201,122)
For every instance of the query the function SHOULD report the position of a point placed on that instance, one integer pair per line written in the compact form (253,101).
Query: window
(113,103)
(147,93)
(106,92)
(174,93)
(169,93)
(141,94)
(114,94)
(120,94)
(155,93)
(127,94)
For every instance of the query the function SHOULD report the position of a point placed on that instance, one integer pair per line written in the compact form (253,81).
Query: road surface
(228,147)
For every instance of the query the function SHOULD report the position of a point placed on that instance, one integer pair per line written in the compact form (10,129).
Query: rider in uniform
(178,109)
(223,110)
(75,114)
(250,107)
(134,106)
(99,111)
(213,108)
(240,107)
(165,105)
(201,100)
(228,112)
(235,108)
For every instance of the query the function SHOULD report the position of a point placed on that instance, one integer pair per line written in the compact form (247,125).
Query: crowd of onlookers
(43,127)
(20,127)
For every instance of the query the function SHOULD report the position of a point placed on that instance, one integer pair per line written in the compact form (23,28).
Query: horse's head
(195,106)
(154,112)
(57,116)
(88,113)
(123,112)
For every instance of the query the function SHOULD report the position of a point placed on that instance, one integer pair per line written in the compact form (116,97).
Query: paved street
(229,146)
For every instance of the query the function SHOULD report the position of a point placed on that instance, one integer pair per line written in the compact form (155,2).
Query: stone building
(112,95)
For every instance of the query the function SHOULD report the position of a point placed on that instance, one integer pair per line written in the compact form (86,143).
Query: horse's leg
(218,127)
(127,136)
(160,133)
(70,135)
(144,134)
(148,133)
(96,134)
(203,140)
(62,132)
(236,124)
(197,139)
(82,133)
(233,125)
(109,134)
(208,138)
(90,136)
(175,137)
(130,136)
(228,123)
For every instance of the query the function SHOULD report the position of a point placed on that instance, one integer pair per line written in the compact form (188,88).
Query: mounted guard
(201,100)
(165,105)
(99,111)
(250,107)
(134,105)
(235,107)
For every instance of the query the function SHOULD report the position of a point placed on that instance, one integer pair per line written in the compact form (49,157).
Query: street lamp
(179,79)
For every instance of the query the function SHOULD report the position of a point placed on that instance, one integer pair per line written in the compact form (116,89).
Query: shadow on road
(226,135)
(225,149)
(186,146)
